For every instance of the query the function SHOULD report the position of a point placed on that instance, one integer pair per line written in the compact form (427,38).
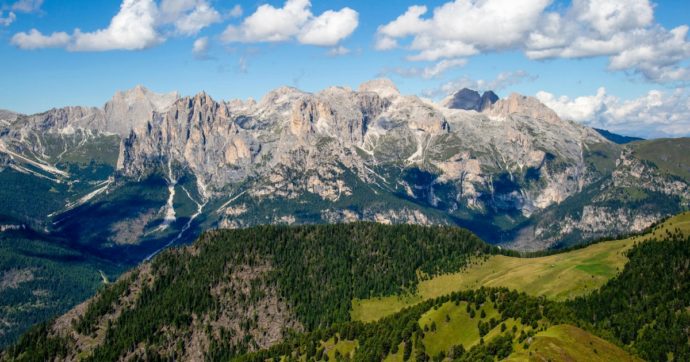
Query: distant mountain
(616,138)
(7,116)
(337,155)
(470,100)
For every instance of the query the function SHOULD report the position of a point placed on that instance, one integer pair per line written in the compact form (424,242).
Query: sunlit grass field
(560,276)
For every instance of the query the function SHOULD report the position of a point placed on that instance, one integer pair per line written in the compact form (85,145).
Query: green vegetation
(568,343)
(416,333)
(451,324)
(646,306)
(318,270)
(434,330)
(560,276)
(40,279)
(670,156)
(643,309)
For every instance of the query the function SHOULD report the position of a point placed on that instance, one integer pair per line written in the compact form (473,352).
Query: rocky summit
(471,100)
(509,169)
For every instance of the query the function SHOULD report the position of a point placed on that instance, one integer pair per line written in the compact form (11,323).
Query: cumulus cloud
(656,114)
(329,28)
(463,27)
(35,40)
(623,30)
(189,17)
(294,21)
(139,24)
(502,81)
(133,28)
(8,19)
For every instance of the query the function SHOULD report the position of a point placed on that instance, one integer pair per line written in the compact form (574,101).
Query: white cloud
(294,21)
(270,24)
(581,109)
(189,17)
(656,58)
(202,16)
(463,27)
(139,24)
(236,11)
(432,71)
(409,23)
(200,48)
(338,51)
(613,16)
(7,20)
(623,30)
(27,6)
(133,28)
(432,50)
(502,81)
(329,28)
(385,43)
(656,114)
(35,40)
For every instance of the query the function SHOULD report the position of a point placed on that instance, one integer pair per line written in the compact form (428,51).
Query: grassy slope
(460,329)
(455,326)
(669,155)
(569,343)
(561,276)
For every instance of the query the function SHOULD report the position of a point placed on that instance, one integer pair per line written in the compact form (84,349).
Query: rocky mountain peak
(517,104)
(133,108)
(470,100)
(281,95)
(383,87)
(140,94)
(488,99)
(7,116)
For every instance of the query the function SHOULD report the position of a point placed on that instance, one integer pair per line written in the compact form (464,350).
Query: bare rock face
(132,109)
(7,117)
(477,155)
(196,132)
(383,87)
(520,105)
(470,100)
(291,143)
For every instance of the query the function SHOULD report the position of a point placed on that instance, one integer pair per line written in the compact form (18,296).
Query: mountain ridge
(514,157)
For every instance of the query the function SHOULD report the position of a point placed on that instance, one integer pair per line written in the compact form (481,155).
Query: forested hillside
(284,293)
(646,307)
(645,310)
(231,289)
(40,278)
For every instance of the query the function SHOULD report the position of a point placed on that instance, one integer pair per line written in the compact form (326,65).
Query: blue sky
(493,46)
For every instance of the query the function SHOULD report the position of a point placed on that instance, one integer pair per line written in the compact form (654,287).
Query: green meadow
(559,277)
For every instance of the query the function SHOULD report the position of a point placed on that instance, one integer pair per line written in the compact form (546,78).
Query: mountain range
(509,169)
(115,185)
